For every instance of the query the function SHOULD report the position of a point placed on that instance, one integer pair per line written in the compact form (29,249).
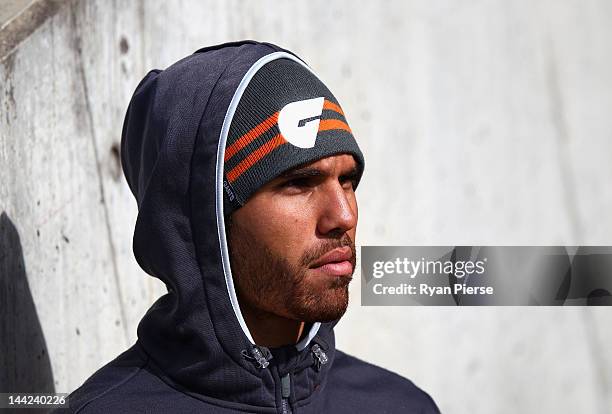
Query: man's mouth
(336,262)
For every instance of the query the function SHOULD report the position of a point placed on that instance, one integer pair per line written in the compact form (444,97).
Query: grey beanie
(285,118)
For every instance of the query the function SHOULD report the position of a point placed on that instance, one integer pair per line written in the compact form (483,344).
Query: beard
(269,282)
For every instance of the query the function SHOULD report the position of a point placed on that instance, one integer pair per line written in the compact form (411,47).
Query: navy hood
(194,352)
(195,335)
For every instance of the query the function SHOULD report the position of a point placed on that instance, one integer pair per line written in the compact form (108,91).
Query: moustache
(325,247)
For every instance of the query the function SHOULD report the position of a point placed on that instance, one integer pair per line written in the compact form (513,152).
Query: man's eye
(297,182)
(349,183)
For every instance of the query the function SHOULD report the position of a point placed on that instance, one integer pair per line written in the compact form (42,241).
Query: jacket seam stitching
(113,387)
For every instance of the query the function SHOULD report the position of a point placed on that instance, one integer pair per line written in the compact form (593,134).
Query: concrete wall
(483,122)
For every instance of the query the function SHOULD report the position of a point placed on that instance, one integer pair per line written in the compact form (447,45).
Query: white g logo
(299,121)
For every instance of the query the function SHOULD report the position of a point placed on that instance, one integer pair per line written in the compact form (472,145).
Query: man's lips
(336,262)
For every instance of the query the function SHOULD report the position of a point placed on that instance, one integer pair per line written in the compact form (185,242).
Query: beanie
(286,117)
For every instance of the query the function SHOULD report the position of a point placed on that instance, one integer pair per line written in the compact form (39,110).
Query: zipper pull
(261,355)
(285,393)
(320,356)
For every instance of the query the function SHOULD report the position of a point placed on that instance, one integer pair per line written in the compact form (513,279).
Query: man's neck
(271,330)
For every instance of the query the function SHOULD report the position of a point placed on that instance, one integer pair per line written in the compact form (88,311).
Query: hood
(172,155)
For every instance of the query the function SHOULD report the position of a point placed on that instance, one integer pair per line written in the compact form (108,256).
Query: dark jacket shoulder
(127,385)
(365,387)
(105,382)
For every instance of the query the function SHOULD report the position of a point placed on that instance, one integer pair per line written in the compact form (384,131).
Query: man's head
(291,165)
(292,245)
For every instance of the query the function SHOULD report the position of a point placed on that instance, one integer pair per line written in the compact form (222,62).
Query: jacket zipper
(261,355)
(286,393)
(320,359)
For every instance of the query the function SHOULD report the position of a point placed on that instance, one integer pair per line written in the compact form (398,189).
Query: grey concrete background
(11,9)
(483,123)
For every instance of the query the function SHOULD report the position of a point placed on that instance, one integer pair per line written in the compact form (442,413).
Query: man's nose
(338,210)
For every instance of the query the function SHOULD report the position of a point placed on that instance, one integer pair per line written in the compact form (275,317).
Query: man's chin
(325,308)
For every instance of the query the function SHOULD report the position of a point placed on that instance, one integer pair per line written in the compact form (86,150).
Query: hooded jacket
(194,352)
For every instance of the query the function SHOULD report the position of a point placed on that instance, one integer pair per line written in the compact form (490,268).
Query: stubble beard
(270,283)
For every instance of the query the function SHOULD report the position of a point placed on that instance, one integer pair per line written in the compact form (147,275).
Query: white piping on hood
(229,282)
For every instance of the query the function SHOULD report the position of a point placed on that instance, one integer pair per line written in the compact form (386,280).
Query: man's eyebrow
(315,172)
(303,172)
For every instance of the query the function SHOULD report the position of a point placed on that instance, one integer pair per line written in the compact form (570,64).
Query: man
(244,169)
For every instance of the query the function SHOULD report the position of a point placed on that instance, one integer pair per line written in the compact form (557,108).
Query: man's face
(292,249)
